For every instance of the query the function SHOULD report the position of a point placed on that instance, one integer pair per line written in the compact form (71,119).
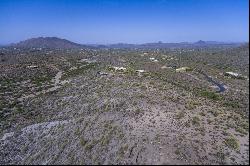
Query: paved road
(210,79)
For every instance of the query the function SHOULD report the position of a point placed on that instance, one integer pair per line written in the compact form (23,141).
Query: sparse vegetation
(232,143)
(180,115)
(191,105)
(92,113)
(196,120)
(83,142)
(210,95)
(79,71)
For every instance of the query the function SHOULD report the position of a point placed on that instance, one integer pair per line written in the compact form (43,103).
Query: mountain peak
(200,42)
(48,42)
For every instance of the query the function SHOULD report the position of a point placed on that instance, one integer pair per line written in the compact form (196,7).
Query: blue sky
(127,21)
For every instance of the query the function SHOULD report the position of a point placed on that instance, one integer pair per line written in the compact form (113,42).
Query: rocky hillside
(48,42)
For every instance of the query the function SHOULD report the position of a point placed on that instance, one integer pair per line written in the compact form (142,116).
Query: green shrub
(180,115)
(210,95)
(196,120)
(232,143)
(83,141)
(231,104)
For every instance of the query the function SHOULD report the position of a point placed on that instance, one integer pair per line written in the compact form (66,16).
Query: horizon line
(134,43)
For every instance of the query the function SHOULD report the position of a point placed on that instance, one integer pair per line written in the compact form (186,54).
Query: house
(118,68)
(183,69)
(32,67)
(166,67)
(153,59)
(235,75)
(102,73)
(232,74)
(140,71)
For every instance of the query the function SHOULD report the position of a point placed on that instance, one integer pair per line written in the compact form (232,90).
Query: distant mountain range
(54,42)
(198,44)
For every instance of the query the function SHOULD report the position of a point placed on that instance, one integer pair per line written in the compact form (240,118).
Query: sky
(125,21)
